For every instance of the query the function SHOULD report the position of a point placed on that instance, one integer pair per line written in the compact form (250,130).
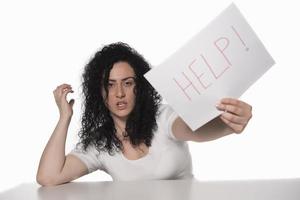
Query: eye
(128,83)
(110,85)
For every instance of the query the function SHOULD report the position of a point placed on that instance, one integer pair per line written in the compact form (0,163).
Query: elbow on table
(47,180)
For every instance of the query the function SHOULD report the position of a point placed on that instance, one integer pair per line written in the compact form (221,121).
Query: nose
(120,91)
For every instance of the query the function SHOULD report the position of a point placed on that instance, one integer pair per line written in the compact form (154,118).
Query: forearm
(213,130)
(53,157)
(234,119)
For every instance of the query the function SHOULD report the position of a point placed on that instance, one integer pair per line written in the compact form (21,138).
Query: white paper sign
(223,60)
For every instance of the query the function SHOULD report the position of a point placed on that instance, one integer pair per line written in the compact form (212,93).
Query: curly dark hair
(97,124)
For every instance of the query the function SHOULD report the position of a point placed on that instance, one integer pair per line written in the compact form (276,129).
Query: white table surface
(278,189)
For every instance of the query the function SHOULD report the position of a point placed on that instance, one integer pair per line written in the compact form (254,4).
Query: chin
(121,114)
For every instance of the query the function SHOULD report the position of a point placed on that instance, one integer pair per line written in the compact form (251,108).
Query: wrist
(65,117)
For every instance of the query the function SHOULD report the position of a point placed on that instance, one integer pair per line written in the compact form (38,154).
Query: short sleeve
(166,119)
(90,157)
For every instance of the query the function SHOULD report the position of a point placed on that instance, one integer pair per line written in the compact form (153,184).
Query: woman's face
(121,83)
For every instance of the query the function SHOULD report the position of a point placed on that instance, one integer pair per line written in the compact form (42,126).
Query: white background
(47,43)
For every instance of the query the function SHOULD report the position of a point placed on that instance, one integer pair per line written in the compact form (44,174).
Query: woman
(126,131)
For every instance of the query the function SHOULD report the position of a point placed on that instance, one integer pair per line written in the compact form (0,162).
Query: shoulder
(165,111)
(89,156)
(165,119)
(79,148)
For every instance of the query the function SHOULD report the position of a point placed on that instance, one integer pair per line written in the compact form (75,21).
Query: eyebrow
(124,79)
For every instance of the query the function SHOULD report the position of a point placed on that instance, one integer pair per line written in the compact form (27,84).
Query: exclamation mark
(242,41)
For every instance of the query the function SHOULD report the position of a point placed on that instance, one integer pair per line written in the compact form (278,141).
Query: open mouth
(121,105)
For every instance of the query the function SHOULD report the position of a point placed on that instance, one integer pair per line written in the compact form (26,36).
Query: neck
(119,123)
(120,126)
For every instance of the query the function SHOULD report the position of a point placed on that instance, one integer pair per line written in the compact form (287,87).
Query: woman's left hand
(236,113)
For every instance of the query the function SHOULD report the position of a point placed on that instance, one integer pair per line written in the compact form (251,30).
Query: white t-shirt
(168,158)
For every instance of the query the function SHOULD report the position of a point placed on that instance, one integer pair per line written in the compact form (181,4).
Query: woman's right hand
(60,95)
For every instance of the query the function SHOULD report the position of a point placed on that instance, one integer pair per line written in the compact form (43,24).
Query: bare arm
(211,131)
(54,167)
(233,120)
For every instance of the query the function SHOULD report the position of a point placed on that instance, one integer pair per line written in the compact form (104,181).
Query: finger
(233,101)
(71,102)
(246,109)
(230,108)
(237,128)
(60,93)
(66,91)
(63,94)
(61,87)
(234,118)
